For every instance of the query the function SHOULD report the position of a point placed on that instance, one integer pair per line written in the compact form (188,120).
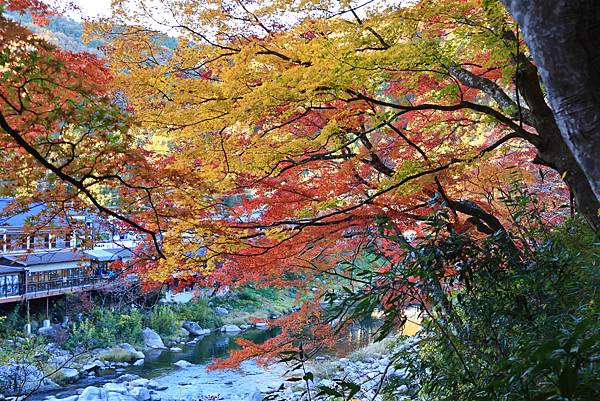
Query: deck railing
(62,283)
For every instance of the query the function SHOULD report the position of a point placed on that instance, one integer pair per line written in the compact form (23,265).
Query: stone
(245,326)
(93,394)
(154,385)
(50,331)
(19,379)
(59,361)
(115,387)
(139,383)
(152,339)
(68,375)
(183,364)
(139,362)
(140,393)
(194,329)
(175,349)
(262,325)
(228,328)
(93,366)
(135,354)
(126,378)
(114,396)
(221,311)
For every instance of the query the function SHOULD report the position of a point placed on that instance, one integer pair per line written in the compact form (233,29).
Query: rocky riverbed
(188,383)
(177,371)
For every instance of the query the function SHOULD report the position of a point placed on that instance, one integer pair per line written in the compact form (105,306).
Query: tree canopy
(292,129)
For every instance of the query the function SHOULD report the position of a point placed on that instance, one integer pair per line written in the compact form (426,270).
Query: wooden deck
(45,290)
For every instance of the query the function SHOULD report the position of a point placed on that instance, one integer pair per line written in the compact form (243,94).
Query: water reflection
(359,335)
(214,345)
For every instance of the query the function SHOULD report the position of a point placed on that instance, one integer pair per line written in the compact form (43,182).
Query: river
(195,381)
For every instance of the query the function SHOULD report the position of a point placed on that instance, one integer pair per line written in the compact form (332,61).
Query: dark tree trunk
(564,39)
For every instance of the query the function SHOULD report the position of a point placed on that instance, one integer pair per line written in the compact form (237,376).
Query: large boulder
(221,311)
(114,396)
(67,375)
(115,388)
(22,378)
(93,394)
(131,349)
(183,364)
(140,393)
(195,329)
(126,378)
(93,366)
(152,339)
(230,328)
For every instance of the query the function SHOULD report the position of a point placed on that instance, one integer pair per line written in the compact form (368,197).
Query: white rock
(140,393)
(93,394)
(183,364)
(69,375)
(94,365)
(126,378)
(175,349)
(262,325)
(221,311)
(194,328)
(139,362)
(152,339)
(115,388)
(139,383)
(114,396)
(154,385)
(230,328)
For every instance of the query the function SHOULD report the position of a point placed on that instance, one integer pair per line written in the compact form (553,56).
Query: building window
(40,241)
(16,242)
(10,285)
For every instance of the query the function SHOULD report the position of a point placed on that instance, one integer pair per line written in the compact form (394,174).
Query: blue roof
(19,219)
(42,258)
(25,214)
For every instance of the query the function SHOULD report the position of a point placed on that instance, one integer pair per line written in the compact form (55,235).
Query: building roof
(61,256)
(41,258)
(121,253)
(11,269)
(21,218)
(23,214)
(105,255)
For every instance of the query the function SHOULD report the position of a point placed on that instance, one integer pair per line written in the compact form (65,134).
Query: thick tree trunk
(564,39)
(552,149)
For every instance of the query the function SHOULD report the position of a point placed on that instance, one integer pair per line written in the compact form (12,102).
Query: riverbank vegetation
(515,318)
(101,327)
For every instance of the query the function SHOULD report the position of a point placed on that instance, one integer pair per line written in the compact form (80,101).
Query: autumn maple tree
(291,128)
(66,141)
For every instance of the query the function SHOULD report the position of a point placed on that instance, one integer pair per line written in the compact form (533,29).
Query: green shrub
(11,324)
(105,328)
(117,355)
(512,316)
(199,311)
(163,321)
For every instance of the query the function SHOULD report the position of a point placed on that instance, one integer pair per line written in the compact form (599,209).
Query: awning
(10,269)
